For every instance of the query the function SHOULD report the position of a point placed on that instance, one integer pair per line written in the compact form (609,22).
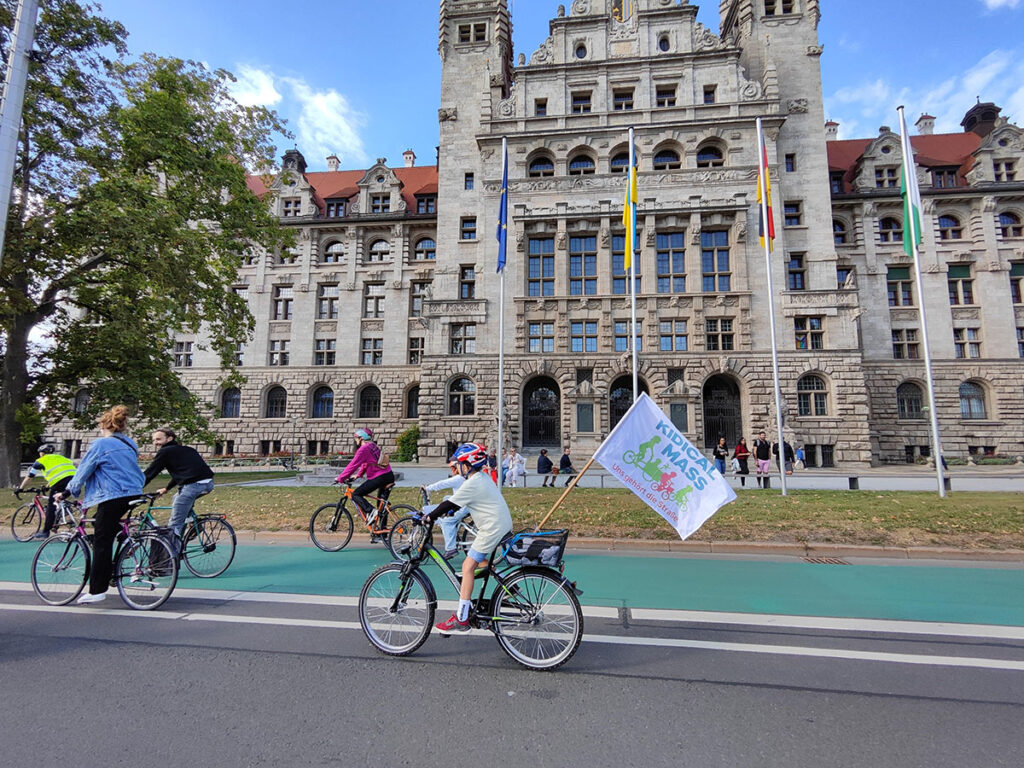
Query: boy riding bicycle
(492,518)
(450,523)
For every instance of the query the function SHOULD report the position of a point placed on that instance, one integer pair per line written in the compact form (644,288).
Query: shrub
(407,444)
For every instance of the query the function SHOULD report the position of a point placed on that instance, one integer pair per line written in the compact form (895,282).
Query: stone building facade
(388,308)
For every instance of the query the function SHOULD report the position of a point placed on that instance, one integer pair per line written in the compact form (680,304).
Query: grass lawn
(966,520)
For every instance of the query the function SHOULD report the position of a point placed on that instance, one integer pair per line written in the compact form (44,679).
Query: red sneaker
(452,626)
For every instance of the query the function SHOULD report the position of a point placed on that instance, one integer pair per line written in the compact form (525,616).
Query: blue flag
(502,233)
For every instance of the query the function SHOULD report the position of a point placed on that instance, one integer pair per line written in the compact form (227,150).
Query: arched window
(1009,225)
(380,250)
(890,230)
(82,398)
(909,401)
(277,403)
(426,249)
(461,397)
(369,402)
(667,160)
(581,165)
(972,401)
(619,163)
(334,253)
(323,403)
(230,403)
(812,396)
(541,166)
(412,402)
(839,232)
(710,156)
(949,228)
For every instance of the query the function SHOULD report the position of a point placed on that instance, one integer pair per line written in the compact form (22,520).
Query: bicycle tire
(400,632)
(208,547)
(329,531)
(25,522)
(401,537)
(406,513)
(60,569)
(146,572)
(538,621)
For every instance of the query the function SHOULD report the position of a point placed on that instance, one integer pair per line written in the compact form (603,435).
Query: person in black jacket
(544,467)
(188,471)
(565,467)
(787,456)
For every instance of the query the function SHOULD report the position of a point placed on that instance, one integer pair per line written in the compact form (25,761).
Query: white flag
(652,458)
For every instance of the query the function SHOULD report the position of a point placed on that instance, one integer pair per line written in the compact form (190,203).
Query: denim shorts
(477,556)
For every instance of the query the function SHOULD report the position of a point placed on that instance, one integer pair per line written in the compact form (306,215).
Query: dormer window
(290,207)
(886,178)
(944,178)
(380,203)
(426,204)
(335,209)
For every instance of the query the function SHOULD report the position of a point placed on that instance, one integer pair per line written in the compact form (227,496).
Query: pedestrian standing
(740,455)
(785,462)
(720,453)
(763,457)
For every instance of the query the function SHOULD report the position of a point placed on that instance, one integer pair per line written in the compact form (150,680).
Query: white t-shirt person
(490,512)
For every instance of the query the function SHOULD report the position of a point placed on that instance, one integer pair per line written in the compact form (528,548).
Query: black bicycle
(533,610)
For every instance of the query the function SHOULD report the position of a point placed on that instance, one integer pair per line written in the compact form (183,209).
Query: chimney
(831,130)
(925,125)
(332,162)
(410,158)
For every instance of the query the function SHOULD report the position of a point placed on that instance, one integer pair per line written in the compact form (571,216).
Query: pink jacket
(365,463)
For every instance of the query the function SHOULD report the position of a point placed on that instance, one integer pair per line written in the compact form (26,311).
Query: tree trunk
(13,387)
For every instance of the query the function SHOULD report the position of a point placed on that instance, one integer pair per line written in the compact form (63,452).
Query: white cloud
(996,4)
(254,87)
(326,124)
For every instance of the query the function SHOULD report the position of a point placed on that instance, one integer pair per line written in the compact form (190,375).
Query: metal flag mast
(502,236)
(630,247)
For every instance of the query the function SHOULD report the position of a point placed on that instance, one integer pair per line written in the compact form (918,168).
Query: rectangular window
(270,447)
(1004,170)
(714,256)
(796,272)
(620,278)
(373,351)
(480,32)
(583,338)
(540,107)
(845,277)
(718,335)
(1017,282)
(967,342)
(283,296)
(886,178)
(465,33)
(541,267)
(463,338)
(809,332)
(324,351)
(468,181)
(709,93)
(467,230)
(622,336)
(373,300)
(580,102)
(541,337)
(835,181)
(774,7)
(900,287)
(183,354)
(622,99)
(792,213)
(672,335)
(380,203)
(961,286)
(584,417)
(278,352)
(327,298)
(1020,342)
(677,412)
(583,266)
(426,204)
(290,206)
(289,256)
(467,282)
(335,208)
(665,96)
(904,344)
(418,290)
(790,163)
(944,178)
(318,447)
(671,259)
(415,350)
(239,353)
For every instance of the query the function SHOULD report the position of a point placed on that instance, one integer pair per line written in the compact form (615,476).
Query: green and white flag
(910,192)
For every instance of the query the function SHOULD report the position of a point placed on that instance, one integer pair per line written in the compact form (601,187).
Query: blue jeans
(720,465)
(450,528)
(183,501)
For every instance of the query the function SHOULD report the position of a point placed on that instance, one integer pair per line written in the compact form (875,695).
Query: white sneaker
(87,598)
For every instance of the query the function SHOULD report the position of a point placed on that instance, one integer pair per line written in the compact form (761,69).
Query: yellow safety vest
(56,467)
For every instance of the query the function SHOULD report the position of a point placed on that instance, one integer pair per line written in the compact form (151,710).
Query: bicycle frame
(382,504)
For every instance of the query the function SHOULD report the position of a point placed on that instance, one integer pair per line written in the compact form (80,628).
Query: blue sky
(362,79)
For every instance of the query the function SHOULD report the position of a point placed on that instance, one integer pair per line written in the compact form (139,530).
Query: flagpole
(762,177)
(631,247)
(502,244)
(910,183)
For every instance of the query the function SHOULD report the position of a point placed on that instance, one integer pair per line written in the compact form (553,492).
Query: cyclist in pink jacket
(368,462)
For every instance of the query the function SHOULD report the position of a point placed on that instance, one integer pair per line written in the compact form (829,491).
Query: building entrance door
(722,414)
(620,398)
(542,413)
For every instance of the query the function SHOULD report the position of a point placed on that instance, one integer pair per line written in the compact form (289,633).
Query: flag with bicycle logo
(652,458)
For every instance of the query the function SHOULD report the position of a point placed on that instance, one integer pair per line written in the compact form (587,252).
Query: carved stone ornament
(507,107)
(560,241)
(606,237)
(447,113)
(750,92)
(815,50)
(544,54)
(580,7)
(497,80)
(797,106)
(707,40)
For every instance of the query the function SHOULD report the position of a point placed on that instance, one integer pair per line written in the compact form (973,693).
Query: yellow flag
(629,217)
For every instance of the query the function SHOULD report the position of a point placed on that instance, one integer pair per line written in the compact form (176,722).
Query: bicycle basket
(540,548)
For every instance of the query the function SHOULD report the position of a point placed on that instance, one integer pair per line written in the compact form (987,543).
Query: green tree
(130,216)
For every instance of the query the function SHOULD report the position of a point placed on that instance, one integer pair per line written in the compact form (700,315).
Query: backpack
(383,459)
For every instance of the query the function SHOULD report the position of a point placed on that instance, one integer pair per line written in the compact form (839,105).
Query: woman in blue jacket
(111,477)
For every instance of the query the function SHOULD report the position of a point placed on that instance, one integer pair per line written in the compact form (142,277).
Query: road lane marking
(650,642)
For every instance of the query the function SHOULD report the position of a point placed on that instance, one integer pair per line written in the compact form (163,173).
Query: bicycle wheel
(26,522)
(537,618)
(330,527)
(146,572)
(400,534)
(466,534)
(208,547)
(397,615)
(60,569)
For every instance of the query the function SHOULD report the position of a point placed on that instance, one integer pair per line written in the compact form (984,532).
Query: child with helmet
(368,461)
(450,523)
(492,518)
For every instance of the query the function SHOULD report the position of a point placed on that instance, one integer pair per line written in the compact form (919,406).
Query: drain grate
(825,560)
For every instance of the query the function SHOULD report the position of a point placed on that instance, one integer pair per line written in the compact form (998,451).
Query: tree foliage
(130,217)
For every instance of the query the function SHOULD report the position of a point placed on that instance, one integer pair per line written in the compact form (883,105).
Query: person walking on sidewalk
(763,457)
(189,472)
(740,455)
(546,467)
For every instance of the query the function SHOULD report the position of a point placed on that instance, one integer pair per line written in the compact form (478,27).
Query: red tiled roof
(931,151)
(342,184)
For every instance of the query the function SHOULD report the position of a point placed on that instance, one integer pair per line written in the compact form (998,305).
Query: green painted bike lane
(909,592)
